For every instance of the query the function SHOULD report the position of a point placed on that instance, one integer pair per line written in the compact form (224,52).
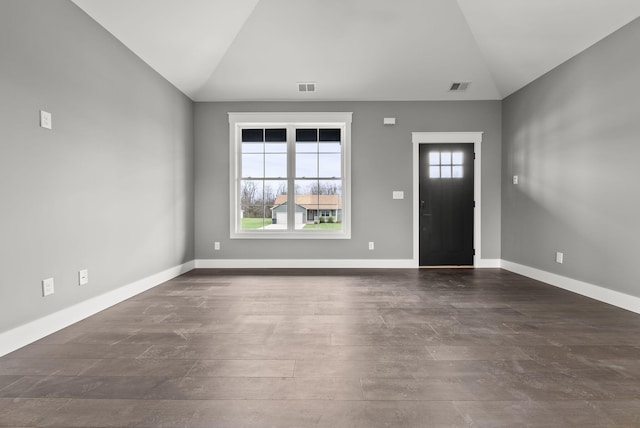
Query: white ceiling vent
(306,87)
(459,86)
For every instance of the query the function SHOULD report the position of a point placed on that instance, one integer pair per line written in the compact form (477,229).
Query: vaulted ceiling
(237,50)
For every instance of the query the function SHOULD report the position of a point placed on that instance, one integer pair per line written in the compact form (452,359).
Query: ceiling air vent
(459,86)
(306,87)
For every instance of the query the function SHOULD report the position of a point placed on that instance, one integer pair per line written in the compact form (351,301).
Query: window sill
(311,234)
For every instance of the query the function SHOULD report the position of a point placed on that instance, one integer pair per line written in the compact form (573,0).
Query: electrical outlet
(515,179)
(45,119)
(47,287)
(371,246)
(216,246)
(559,257)
(83,277)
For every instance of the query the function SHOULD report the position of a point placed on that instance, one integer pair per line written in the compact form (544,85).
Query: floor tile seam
(195,363)
(189,400)
(139,356)
(211,359)
(19,377)
(95,363)
(37,419)
(237,398)
(40,378)
(67,400)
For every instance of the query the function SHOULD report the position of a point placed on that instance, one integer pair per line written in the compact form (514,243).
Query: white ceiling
(237,50)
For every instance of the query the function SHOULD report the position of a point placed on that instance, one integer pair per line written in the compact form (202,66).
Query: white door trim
(448,137)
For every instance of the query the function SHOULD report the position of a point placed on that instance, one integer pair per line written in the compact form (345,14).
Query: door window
(446,164)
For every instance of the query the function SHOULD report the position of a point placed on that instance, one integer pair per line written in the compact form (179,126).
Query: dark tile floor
(335,348)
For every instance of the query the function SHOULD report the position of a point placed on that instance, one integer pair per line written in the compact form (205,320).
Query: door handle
(422,208)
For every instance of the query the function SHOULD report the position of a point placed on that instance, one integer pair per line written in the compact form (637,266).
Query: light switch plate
(45,120)
(398,194)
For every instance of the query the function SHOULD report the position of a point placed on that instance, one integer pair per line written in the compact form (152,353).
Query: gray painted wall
(572,137)
(110,188)
(381,163)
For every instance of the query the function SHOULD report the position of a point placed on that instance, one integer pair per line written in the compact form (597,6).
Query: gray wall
(110,188)
(573,138)
(381,163)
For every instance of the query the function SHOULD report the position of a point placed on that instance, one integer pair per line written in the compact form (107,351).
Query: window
(446,165)
(290,175)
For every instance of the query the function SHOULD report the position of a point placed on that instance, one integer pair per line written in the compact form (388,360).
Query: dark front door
(446,204)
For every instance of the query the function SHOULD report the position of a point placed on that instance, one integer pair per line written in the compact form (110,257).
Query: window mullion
(291,171)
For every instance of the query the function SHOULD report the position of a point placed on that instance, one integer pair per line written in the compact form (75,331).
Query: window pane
(275,134)
(330,203)
(330,134)
(252,147)
(306,147)
(252,165)
(274,191)
(330,165)
(330,148)
(252,206)
(331,187)
(434,172)
(445,158)
(251,217)
(306,194)
(458,172)
(434,158)
(275,165)
(457,158)
(252,135)
(275,147)
(306,135)
(319,202)
(306,165)
(307,187)
(251,192)
(276,203)
(445,171)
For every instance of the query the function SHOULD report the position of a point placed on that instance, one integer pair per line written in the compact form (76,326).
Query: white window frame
(237,121)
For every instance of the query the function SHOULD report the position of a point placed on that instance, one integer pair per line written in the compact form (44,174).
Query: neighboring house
(309,208)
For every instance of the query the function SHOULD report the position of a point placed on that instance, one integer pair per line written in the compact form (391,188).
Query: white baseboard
(322,263)
(602,294)
(488,263)
(305,263)
(28,333)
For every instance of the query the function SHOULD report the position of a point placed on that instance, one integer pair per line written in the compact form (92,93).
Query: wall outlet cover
(45,120)
(47,287)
